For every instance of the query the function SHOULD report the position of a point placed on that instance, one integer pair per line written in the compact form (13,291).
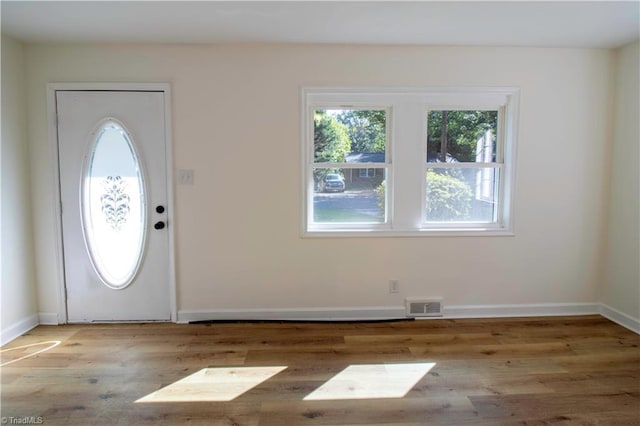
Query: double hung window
(463,167)
(406,162)
(348,168)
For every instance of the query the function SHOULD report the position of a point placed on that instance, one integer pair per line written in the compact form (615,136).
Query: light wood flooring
(524,371)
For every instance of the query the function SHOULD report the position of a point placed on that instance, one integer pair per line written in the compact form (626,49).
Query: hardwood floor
(533,371)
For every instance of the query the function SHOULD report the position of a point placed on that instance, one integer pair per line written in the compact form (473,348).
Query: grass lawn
(333,216)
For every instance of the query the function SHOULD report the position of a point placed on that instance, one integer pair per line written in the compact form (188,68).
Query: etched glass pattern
(113,206)
(115,201)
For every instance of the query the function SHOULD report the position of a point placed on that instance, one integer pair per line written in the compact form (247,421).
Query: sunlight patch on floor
(372,381)
(26,351)
(213,384)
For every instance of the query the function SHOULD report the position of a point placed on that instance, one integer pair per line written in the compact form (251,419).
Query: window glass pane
(462,136)
(462,195)
(114,207)
(351,136)
(345,196)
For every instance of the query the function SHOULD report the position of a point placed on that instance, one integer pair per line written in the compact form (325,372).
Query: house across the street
(365,173)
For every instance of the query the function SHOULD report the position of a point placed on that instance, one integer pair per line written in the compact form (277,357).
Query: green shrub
(380,192)
(448,198)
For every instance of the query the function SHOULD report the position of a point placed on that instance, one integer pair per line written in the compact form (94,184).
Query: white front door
(113,187)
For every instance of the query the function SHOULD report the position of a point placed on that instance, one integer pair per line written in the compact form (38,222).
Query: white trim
(130,87)
(168,134)
(388,313)
(52,123)
(469,165)
(18,329)
(52,88)
(385,232)
(444,96)
(348,166)
(620,318)
(524,310)
(365,313)
(511,119)
(306,186)
(296,314)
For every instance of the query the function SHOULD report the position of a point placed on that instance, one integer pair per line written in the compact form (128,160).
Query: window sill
(391,233)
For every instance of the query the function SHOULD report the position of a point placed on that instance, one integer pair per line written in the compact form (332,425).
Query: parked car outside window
(332,182)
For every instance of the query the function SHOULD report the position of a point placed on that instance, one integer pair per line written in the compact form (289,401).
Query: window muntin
(405,184)
(349,166)
(463,162)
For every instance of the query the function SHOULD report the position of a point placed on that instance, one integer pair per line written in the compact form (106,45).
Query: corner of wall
(18,302)
(620,318)
(620,284)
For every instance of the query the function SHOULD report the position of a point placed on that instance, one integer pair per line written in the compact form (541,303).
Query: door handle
(159,225)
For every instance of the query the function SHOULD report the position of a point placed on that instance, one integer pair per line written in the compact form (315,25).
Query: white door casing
(82,117)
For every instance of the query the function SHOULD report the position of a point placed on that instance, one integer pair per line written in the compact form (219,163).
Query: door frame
(52,88)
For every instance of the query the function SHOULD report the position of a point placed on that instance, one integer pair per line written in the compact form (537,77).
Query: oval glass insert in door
(113,205)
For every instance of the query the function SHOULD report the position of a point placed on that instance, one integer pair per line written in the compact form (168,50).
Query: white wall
(18,292)
(236,123)
(621,289)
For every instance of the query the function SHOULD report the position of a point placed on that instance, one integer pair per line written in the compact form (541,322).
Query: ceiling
(599,24)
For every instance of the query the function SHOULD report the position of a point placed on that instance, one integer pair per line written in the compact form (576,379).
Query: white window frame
(405,159)
(498,164)
(310,165)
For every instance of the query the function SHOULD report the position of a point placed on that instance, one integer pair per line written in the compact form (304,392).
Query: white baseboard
(45,318)
(18,329)
(621,318)
(388,313)
(361,314)
(300,314)
(524,310)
